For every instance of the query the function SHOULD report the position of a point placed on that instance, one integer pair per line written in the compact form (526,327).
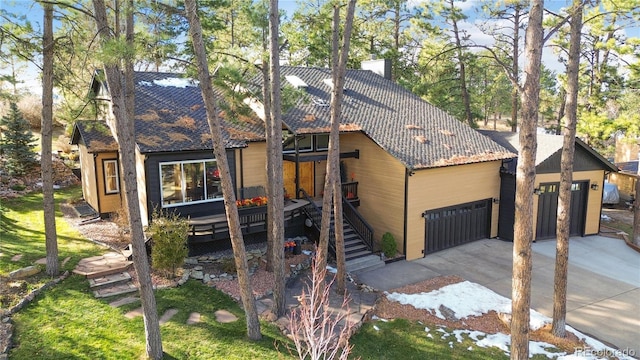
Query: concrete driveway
(603,298)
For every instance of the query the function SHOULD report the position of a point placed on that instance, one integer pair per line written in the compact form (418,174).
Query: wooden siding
(252,165)
(143,198)
(594,197)
(447,186)
(582,161)
(108,202)
(88,174)
(152,170)
(626,184)
(381,183)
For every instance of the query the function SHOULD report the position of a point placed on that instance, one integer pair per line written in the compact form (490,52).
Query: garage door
(548,209)
(456,225)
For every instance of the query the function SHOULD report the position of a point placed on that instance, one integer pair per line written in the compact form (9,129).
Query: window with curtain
(191,181)
(111,178)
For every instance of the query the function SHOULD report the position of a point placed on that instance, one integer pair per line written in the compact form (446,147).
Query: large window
(189,181)
(308,143)
(111,178)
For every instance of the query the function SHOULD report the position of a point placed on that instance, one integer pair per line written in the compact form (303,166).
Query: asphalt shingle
(412,130)
(170,116)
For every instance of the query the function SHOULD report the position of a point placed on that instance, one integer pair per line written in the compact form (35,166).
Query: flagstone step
(118,289)
(108,280)
(102,265)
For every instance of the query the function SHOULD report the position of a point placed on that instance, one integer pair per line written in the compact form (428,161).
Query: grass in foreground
(404,339)
(68,322)
(22,226)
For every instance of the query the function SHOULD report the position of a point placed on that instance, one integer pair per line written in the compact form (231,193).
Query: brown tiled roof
(173,117)
(412,130)
(95,135)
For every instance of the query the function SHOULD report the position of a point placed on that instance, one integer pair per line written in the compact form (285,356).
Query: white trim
(106,176)
(183,184)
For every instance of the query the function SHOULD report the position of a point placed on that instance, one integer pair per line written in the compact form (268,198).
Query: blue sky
(34,13)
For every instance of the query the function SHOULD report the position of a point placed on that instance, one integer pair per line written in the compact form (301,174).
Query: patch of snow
(306,252)
(332,269)
(604,217)
(145,83)
(456,297)
(470,299)
(376,328)
(176,82)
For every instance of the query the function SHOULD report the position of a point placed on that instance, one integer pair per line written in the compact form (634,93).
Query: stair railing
(357,222)
(314,214)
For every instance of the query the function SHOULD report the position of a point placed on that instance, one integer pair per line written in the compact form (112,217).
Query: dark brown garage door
(548,209)
(456,225)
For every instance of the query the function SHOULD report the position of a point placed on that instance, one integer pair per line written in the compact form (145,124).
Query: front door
(306,177)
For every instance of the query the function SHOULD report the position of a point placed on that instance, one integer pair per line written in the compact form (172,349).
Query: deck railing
(314,214)
(350,190)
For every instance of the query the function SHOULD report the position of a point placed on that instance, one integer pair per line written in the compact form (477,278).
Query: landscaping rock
(191,261)
(194,318)
(224,317)
(198,275)
(167,316)
(24,272)
(16,257)
(206,278)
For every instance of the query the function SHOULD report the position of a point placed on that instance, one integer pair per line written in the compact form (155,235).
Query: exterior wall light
(595,186)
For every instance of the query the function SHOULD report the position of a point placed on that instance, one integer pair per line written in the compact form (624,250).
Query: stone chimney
(381,67)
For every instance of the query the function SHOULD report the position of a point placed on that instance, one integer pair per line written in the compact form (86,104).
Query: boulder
(24,272)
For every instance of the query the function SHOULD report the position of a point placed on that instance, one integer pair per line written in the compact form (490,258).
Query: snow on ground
(470,299)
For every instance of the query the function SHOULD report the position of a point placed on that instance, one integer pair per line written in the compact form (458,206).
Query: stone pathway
(361,299)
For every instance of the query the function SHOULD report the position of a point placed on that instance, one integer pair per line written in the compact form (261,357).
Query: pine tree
(16,143)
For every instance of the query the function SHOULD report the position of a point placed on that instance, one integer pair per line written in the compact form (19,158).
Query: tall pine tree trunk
(233,220)
(525,181)
(51,237)
(125,134)
(515,70)
(466,101)
(566,176)
(276,183)
(339,58)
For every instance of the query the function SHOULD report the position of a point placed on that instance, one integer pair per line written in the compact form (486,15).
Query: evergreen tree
(16,143)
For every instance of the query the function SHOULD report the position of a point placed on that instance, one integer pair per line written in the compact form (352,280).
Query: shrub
(389,246)
(170,233)
(229,265)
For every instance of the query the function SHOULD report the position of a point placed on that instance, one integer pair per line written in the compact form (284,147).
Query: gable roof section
(548,149)
(630,167)
(410,129)
(96,136)
(170,116)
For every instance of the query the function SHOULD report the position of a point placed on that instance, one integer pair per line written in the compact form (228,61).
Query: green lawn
(67,322)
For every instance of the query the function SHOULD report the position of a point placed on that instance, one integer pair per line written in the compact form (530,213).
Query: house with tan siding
(408,168)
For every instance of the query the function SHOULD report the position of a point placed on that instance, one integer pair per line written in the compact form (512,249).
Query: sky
(34,13)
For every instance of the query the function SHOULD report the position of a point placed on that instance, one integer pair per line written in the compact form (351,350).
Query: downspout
(241,171)
(407,173)
(297,166)
(95,177)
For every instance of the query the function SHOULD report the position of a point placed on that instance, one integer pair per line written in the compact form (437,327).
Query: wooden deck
(252,220)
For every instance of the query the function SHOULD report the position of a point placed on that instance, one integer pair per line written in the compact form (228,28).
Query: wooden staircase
(358,235)
(354,246)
